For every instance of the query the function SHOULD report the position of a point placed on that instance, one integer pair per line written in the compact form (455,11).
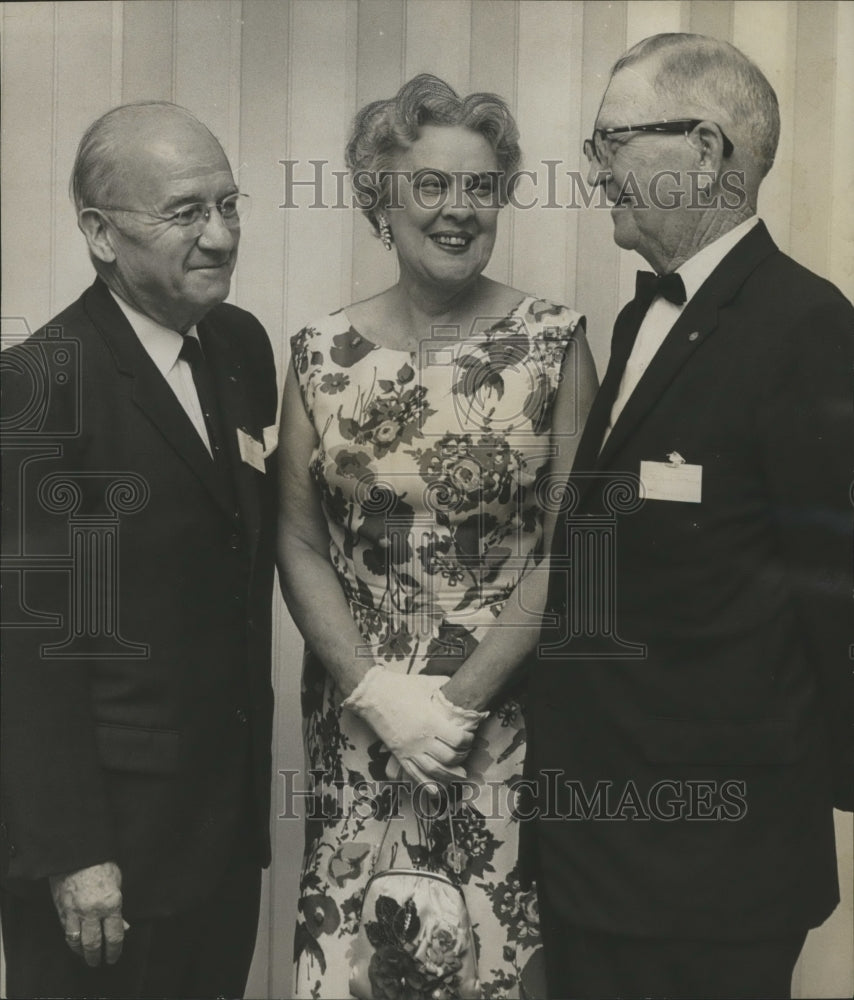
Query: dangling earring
(385,232)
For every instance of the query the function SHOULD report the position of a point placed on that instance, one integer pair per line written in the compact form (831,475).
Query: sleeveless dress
(432,469)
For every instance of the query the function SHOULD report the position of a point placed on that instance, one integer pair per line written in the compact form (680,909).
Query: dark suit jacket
(742,606)
(136,698)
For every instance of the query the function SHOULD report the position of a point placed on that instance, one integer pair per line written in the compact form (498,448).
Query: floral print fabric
(416,934)
(431,470)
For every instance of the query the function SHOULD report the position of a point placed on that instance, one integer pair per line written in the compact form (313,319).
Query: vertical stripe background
(281,79)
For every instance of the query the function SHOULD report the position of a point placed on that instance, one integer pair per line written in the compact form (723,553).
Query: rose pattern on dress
(391,412)
(468,856)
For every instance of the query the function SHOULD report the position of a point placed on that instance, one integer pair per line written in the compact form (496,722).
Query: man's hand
(85,900)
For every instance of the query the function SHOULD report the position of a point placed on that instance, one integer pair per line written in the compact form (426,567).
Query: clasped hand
(427,733)
(89,904)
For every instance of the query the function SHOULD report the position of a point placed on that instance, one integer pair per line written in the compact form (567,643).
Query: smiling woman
(417,430)
(443,231)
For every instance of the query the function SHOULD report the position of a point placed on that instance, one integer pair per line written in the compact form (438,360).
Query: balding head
(112,143)
(704,77)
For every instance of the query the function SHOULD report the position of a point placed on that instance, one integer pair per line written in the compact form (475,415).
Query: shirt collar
(161,344)
(695,271)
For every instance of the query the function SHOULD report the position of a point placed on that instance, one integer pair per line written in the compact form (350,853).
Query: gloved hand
(428,734)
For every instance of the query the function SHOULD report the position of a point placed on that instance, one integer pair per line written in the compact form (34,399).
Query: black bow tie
(670,286)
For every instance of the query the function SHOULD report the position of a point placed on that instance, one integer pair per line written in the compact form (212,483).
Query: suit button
(234,541)
(241,716)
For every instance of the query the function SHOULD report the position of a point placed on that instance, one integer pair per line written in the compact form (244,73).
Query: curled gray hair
(707,72)
(384,129)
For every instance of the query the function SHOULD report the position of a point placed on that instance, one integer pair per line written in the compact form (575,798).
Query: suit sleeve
(264,379)
(55,813)
(807,430)
(268,368)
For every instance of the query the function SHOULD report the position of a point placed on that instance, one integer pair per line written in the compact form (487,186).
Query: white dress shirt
(163,347)
(662,314)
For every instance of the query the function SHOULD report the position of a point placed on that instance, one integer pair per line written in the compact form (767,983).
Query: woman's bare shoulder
(368,315)
(501,299)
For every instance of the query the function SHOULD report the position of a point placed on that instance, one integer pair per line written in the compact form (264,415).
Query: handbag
(415,938)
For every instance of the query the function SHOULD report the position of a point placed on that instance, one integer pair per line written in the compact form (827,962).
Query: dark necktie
(670,286)
(191,352)
(647,286)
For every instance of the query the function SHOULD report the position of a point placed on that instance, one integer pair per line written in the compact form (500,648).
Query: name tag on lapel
(251,451)
(271,439)
(672,480)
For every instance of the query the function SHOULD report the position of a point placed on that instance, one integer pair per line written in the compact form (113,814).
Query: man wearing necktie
(691,743)
(138,518)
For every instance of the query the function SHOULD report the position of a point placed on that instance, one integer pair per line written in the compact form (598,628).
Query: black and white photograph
(427,499)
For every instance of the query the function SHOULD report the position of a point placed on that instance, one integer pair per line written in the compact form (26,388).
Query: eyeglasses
(597,149)
(233,210)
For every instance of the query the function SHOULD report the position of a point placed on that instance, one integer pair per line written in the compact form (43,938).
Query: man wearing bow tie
(690,711)
(137,584)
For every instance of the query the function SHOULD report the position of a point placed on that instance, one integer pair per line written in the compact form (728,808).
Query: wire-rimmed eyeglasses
(597,150)
(233,210)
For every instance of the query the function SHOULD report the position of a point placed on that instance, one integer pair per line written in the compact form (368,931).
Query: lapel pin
(693,336)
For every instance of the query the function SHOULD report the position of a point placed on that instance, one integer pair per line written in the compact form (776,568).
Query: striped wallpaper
(281,79)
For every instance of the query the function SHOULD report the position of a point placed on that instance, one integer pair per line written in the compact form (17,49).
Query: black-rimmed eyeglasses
(597,150)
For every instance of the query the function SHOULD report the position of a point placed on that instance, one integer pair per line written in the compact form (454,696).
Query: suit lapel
(625,332)
(236,413)
(689,331)
(695,325)
(151,392)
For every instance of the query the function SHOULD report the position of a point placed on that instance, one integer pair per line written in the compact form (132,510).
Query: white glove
(429,735)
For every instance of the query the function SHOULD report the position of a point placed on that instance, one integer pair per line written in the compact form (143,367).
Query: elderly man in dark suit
(138,560)
(690,712)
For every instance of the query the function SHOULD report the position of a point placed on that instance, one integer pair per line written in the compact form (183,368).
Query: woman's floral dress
(432,469)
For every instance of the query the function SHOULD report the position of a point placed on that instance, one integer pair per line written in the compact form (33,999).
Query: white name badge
(251,451)
(271,439)
(672,481)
